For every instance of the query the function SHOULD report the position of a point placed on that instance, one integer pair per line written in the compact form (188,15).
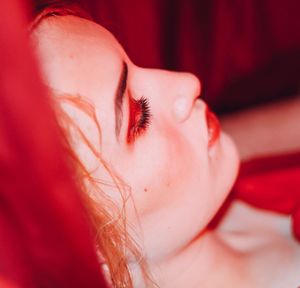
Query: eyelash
(139,118)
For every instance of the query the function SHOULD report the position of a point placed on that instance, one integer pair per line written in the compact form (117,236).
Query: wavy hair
(108,222)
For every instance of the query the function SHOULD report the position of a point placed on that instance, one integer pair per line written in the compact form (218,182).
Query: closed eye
(139,118)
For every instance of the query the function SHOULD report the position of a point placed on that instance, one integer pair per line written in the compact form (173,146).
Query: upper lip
(213,126)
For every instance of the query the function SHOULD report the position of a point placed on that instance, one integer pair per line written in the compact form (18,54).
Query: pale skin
(177,182)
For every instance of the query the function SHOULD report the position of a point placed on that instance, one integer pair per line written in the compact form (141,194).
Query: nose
(188,89)
(177,90)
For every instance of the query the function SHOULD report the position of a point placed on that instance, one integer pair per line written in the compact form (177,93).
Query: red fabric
(44,237)
(272,183)
(244,52)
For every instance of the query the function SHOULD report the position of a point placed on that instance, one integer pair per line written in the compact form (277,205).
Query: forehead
(77,55)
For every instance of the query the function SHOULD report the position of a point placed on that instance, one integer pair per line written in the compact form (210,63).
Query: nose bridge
(176,83)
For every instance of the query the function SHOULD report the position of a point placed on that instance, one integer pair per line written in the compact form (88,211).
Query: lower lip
(213,126)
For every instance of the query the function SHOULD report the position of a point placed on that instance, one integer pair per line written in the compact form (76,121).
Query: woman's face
(154,131)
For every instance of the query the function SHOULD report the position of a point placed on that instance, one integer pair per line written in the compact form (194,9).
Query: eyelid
(139,118)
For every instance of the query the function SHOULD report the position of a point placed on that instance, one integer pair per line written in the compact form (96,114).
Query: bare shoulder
(264,241)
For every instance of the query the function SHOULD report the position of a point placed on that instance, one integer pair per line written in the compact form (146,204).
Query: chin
(226,165)
(233,158)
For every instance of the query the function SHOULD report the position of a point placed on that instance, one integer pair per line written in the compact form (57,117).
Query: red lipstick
(213,127)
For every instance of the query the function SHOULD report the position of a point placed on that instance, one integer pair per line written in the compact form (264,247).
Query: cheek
(150,174)
(171,192)
(162,169)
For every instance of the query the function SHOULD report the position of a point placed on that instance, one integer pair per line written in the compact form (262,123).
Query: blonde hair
(108,222)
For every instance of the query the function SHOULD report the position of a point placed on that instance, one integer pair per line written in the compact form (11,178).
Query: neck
(194,265)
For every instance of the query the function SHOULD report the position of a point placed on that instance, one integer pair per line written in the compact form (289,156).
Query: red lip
(213,126)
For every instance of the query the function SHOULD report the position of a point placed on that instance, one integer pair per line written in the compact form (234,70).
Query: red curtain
(245,52)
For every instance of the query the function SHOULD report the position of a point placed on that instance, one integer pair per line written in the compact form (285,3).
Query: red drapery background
(244,53)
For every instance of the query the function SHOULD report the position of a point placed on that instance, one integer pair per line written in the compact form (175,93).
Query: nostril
(181,108)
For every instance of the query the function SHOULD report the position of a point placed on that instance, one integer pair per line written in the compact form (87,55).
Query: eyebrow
(119,97)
